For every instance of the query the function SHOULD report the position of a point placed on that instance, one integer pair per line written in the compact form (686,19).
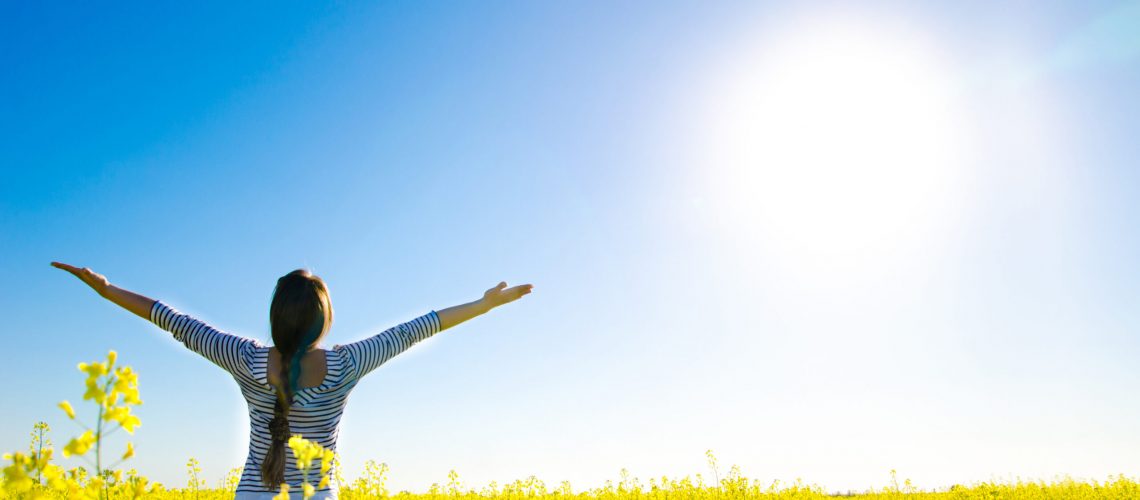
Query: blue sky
(822,240)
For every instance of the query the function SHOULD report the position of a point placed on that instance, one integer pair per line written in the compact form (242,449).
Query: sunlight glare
(831,145)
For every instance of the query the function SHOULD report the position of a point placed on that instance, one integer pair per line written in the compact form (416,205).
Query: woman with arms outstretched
(293,386)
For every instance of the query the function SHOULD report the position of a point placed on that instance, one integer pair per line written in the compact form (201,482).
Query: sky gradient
(969,313)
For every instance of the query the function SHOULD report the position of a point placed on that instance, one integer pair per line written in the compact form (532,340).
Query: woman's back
(322,394)
(314,366)
(315,413)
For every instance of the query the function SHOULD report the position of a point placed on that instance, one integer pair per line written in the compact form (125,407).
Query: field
(114,390)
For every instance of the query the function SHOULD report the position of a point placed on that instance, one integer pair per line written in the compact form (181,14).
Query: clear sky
(823,240)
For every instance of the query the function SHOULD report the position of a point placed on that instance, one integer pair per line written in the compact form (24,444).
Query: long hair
(299,315)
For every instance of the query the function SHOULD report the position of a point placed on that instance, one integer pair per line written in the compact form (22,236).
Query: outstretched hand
(96,281)
(500,294)
(140,305)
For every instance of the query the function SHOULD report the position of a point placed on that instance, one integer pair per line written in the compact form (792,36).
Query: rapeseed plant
(105,384)
(193,482)
(230,482)
(304,452)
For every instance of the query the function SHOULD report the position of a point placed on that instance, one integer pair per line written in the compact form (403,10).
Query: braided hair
(299,315)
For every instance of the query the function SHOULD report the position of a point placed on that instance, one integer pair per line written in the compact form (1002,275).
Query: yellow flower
(43,460)
(324,483)
(110,400)
(66,407)
(16,479)
(284,495)
(304,451)
(93,391)
(326,461)
(95,486)
(122,415)
(125,377)
(307,489)
(140,486)
(131,397)
(111,357)
(54,475)
(116,413)
(129,423)
(80,445)
(126,383)
(93,369)
(297,443)
(130,451)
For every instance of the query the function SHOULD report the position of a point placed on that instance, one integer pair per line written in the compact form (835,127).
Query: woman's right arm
(223,349)
(138,304)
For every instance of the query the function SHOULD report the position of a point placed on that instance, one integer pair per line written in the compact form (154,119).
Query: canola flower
(304,452)
(33,476)
(230,482)
(193,471)
(79,445)
(105,385)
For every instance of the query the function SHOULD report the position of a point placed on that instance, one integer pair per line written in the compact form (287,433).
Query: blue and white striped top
(316,411)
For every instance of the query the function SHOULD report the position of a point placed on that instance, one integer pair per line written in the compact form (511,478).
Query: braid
(291,371)
(299,316)
(273,467)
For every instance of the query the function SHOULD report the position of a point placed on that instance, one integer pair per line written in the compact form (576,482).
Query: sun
(830,144)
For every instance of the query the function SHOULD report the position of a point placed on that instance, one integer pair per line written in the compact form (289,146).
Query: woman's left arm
(492,298)
(370,353)
(131,301)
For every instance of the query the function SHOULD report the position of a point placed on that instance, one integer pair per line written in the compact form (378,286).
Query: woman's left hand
(96,281)
(500,294)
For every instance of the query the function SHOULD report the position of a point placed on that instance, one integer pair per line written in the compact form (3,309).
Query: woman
(293,386)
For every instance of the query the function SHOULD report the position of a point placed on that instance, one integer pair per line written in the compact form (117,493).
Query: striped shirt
(316,411)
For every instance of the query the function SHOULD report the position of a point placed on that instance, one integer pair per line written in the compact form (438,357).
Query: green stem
(99,438)
(39,455)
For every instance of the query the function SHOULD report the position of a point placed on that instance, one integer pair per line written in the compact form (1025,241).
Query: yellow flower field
(114,390)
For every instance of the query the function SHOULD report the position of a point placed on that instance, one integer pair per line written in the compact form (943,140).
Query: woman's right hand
(96,281)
